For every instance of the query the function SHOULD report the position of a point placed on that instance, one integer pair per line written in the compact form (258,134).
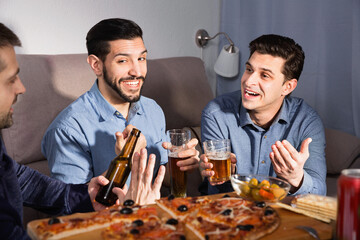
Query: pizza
(180,208)
(151,228)
(58,228)
(171,218)
(225,218)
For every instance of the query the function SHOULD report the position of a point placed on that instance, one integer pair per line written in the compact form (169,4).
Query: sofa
(342,152)
(178,84)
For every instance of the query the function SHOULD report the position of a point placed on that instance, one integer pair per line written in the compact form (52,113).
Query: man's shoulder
(302,111)
(149,103)
(80,108)
(299,105)
(227,101)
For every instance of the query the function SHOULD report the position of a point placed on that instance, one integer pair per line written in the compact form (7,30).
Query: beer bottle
(118,171)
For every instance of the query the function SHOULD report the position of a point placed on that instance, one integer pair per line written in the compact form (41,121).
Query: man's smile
(249,93)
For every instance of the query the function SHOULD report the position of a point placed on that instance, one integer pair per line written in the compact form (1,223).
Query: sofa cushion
(342,149)
(179,85)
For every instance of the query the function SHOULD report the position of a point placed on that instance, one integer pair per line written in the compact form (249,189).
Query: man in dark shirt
(21,185)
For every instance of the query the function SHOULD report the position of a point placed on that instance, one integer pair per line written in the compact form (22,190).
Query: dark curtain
(328,31)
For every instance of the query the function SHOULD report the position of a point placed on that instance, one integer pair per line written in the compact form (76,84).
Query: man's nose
(20,88)
(251,79)
(135,70)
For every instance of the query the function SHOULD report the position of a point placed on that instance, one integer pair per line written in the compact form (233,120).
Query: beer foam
(218,156)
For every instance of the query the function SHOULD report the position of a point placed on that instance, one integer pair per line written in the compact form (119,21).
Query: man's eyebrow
(264,69)
(126,54)
(16,73)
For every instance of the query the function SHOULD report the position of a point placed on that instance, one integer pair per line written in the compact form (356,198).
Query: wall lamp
(227,64)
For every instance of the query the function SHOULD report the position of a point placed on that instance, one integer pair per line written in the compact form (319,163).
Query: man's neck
(264,119)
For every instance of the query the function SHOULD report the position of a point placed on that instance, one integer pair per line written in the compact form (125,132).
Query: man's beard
(119,90)
(6,120)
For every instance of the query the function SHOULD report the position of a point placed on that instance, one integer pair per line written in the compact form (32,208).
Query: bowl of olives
(259,188)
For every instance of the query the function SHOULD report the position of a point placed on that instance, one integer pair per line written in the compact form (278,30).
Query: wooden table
(286,231)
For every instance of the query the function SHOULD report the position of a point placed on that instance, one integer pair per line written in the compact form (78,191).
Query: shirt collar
(107,111)
(282,116)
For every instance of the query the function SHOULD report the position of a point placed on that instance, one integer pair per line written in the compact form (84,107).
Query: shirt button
(262,161)
(265,136)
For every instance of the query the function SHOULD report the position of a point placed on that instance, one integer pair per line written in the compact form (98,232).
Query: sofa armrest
(342,150)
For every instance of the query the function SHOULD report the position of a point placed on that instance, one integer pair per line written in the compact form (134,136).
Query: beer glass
(178,139)
(218,153)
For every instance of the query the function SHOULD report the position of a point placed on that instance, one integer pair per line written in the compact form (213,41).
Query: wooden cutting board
(286,231)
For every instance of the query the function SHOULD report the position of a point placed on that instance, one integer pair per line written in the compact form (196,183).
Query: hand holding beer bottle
(121,138)
(118,171)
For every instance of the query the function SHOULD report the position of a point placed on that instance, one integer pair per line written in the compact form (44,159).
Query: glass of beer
(178,138)
(218,153)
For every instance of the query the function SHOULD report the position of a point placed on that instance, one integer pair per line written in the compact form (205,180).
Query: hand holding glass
(178,139)
(218,153)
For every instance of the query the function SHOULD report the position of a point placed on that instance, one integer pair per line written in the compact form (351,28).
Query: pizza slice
(151,228)
(180,208)
(58,228)
(233,218)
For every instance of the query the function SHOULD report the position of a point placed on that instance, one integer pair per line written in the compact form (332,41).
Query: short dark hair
(7,38)
(97,39)
(284,47)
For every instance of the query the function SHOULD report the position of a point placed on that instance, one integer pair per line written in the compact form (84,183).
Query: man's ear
(289,86)
(96,64)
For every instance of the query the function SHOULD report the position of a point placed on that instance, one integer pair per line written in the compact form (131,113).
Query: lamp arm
(227,37)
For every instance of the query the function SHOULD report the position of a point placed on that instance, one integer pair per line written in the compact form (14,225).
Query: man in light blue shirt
(79,143)
(270,132)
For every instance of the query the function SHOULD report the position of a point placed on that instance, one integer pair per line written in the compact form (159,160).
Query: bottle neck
(130,144)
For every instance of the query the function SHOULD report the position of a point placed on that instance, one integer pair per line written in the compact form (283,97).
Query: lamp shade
(227,64)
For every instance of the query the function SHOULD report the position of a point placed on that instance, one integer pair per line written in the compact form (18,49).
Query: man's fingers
(233,158)
(207,173)
(120,193)
(102,180)
(188,164)
(166,145)
(134,168)
(282,157)
(277,156)
(142,163)
(203,158)
(206,165)
(305,146)
(128,130)
(120,142)
(216,183)
(192,143)
(150,168)
(188,153)
(159,179)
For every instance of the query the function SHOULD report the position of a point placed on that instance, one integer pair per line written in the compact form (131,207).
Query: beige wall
(60,26)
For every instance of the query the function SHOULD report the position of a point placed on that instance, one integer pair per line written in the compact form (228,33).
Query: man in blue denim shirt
(270,132)
(21,185)
(79,143)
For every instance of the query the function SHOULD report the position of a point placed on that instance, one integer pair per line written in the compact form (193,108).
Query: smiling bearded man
(79,143)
